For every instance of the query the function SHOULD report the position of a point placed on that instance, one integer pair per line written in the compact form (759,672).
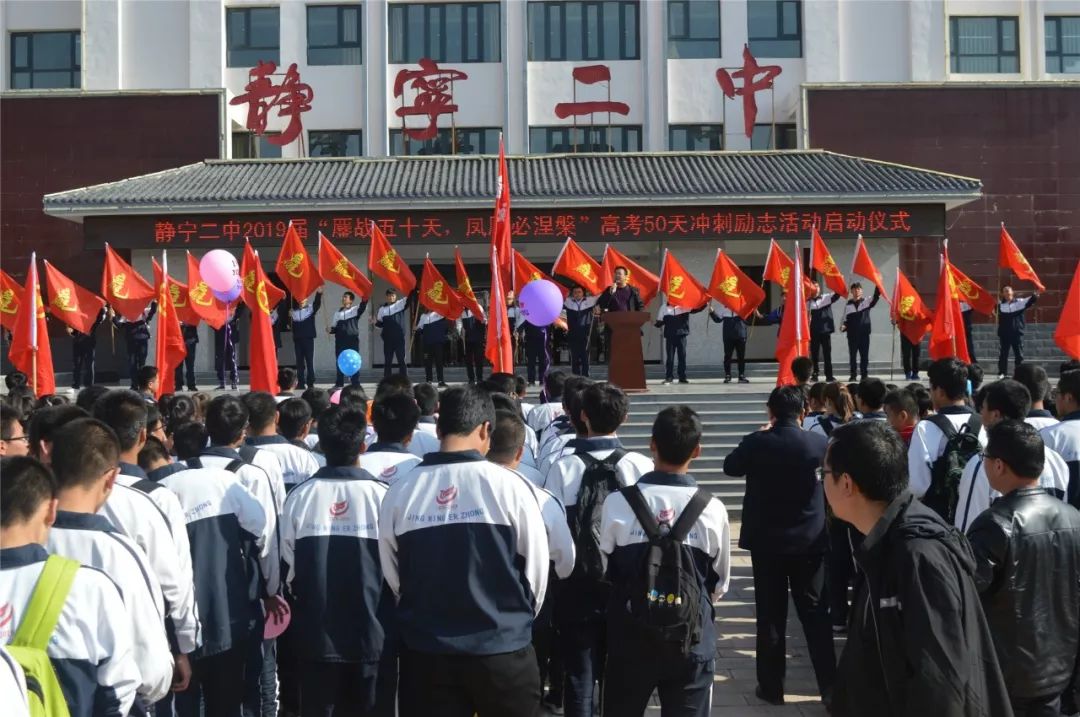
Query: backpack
(946,470)
(826,424)
(664,600)
(31,639)
(597,482)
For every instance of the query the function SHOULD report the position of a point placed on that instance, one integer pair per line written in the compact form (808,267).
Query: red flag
(794,337)
(464,287)
(1010,257)
(732,288)
(201,299)
(69,302)
(499,350)
(179,294)
(261,297)
(500,222)
(647,283)
(778,266)
(525,271)
(863,265)
(170,349)
(964,289)
(30,350)
(10,291)
(910,313)
(437,295)
(1067,333)
(333,266)
(295,268)
(679,285)
(822,262)
(947,337)
(577,266)
(127,292)
(385,262)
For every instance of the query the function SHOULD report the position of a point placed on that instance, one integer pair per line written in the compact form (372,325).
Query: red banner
(734,289)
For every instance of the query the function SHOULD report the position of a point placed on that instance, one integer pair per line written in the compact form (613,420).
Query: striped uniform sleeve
(142,603)
(117,672)
(388,545)
(181,598)
(531,541)
(250,513)
(257,481)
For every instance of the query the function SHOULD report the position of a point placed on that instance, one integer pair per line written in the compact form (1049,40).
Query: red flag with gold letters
(822,262)
(334,267)
(75,306)
(577,266)
(947,338)
(261,297)
(122,287)
(911,314)
(778,266)
(179,294)
(295,268)
(30,350)
(464,287)
(10,291)
(794,337)
(732,288)
(646,282)
(436,293)
(863,265)
(385,262)
(1010,257)
(525,271)
(679,285)
(170,348)
(201,299)
(966,290)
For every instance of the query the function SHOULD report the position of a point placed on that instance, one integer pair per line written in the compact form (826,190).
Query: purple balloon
(228,296)
(541,302)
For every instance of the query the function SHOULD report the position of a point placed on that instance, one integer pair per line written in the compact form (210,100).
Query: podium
(626,362)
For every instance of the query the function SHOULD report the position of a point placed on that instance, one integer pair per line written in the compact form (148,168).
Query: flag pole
(892,353)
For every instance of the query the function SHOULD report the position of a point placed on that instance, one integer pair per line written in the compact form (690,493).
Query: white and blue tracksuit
(387,461)
(1064,437)
(297,463)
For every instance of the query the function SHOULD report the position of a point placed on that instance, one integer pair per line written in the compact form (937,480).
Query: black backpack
(597,482)
(947,469)
(664,602)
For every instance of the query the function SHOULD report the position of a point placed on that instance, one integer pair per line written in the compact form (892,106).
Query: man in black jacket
(822,327)
(1033,610)
(186,368)
(346,331)
(136,338)
(675,321)
(857,327)
(433,329)
(391,319)
(918,642)
(735,335)
(303,328)
(83,349)
(579,322)
(473,330)
(1011,326)
(783,527)
(620,296)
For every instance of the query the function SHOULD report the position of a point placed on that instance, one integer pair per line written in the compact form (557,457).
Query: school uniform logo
(7,620)
(389,472)
(446,496)
(338,510)
(665,516)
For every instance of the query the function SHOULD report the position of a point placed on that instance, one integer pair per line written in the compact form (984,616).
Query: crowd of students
(467,553)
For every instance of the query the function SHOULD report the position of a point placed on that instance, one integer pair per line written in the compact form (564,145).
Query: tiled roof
(673,178)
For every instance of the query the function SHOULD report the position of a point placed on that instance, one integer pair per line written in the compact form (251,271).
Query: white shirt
(1011,307)
(669,310)
(540,417)
(564,478)
(345,314)
(976,495)
(1041,422)
(423,443)
(927,445)
(387,466)
(394,308)
(821,301)
(429,317)
(304,311)
(13,686)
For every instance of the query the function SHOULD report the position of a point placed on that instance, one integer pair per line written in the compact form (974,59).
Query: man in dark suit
(83,348)
(675,321)
(187,366)
(783,527)
(620,296)
(303,326)
(136,338)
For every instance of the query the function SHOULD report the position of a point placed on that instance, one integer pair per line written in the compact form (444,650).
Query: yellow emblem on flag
(907,308)
(389,261)
(201,294)
(437,293)
(465,287)
(119,290)
(294,265)
(830,267)
(264,301)
(586,270)
(729,286)
(341,268)
(62,300)
(249,281)
(675,289)
(7,301)
(785,276)
(176,295)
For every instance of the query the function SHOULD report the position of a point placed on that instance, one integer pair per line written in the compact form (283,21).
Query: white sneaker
(668,382)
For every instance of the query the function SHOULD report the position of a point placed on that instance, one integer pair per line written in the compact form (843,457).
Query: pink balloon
(218,268)
(541,302)
(275,624)
(335,397)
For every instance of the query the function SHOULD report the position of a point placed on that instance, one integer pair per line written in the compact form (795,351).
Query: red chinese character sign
(752,84)
(433,89)
(591,75)
(292,98)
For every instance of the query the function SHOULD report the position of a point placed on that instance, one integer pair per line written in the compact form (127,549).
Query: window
(333,35)
(45,60)
(248,145)
(445,32)
(695,137)
(462,140)
(567,139)
(775,27)
(1063,45)
(583,31)
(252,36)
(984,45)
(786,138)
(693,28)
(335,143)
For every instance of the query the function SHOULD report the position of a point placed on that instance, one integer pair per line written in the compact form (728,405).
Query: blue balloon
(349,362)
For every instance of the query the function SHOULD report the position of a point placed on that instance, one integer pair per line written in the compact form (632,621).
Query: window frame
(255,143)
(780,35)
(428,10)
(688,128)
(539,49)
(585,146)
(395,133)
(247,47)
(359,136)
(74,70)
(954,44)
(1059,53)
(685,30)
(777,129)
(342,43)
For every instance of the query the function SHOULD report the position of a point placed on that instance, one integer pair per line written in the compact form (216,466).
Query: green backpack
(31,640)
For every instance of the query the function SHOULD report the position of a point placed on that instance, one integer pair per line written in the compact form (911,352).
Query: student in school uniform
(1011,325)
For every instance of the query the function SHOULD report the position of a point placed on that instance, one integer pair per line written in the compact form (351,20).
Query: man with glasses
(13,439)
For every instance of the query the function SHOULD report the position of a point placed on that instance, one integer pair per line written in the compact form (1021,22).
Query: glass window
(333,35)
(984,45)
(1063,45)
(460,140)
(774,27)
(576,31)
(248,145)
(569,139)
(785,138)
(45,60)
(445,32)
(252,36)
(335,143)
(695,137)
(693,28)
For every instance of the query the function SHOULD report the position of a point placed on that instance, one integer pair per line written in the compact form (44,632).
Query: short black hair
(802,368)
(341,435)
(353,396)
(902,400)
(786,403)
(8,418)
(463,410)
(1034,378)
(394,383)
(520,386)
(390,292)
(27,484)
(573,383)
(90,448)
(318,399)
(45,423)
(922,395)
(50,399)
(606,406)
(500,383)
(261,408)
(1008,397)
(226,419)
(293,415)
(872,392)
(1067,366)
(153,452)
(181,409)
(123,411)
(153,417)
(1069,384)
(620,267)
(855,285)
(1019,445)
(286,378)
(144,376)
(22,400)
(573,401)
(507,437)
(189,440)
(394,417)
(817,392)
(975,375)
(506,402)
(89,396)
(554,383)
(873,454)
(427,398)
(676,432)
(349,294)
(951,376)
(16,379)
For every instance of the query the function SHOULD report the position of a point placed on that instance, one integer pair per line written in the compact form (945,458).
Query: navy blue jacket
(857,314)
(305,328)
(136,331)
(434,334)
(734,326)
(677,325)
(1011,322)
(474,330)
(821,317)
